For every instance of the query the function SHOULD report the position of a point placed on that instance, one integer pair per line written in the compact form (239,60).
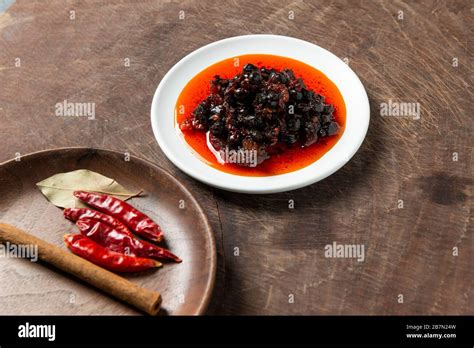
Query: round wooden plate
(36,288)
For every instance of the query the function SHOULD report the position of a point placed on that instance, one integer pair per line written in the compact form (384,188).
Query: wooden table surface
(405,196)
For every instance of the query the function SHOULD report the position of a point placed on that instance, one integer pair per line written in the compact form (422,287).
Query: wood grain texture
(409,251)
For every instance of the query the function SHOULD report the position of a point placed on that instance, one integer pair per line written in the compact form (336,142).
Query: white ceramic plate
(176,149)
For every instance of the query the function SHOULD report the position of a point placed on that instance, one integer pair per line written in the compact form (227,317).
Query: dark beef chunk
(262,109)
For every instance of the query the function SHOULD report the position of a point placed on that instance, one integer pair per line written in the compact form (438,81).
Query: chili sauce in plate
(293,158)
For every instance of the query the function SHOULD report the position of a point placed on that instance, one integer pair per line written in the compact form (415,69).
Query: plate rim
(211,281)
(302,182)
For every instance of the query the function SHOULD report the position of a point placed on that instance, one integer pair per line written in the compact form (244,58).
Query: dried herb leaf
(58,188)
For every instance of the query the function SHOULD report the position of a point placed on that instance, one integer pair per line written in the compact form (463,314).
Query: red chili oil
(293,158)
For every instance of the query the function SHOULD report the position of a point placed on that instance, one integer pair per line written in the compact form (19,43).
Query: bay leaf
(59,188)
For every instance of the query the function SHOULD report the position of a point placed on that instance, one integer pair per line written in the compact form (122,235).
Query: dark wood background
(409,251)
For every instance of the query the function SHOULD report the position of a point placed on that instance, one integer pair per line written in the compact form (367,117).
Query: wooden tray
(36,288)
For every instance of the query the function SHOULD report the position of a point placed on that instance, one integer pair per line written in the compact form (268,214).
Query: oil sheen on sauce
(292,159)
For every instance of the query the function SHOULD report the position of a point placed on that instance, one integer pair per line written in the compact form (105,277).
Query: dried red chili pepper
(111,260)
(75,214)
(115,240)
(124,212)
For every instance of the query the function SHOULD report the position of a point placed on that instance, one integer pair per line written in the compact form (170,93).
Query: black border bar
(262,330)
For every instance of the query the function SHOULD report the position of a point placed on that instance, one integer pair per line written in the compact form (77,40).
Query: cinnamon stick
(146,300)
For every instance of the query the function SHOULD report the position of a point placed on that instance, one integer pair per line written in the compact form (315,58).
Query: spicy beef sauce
(293,158)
